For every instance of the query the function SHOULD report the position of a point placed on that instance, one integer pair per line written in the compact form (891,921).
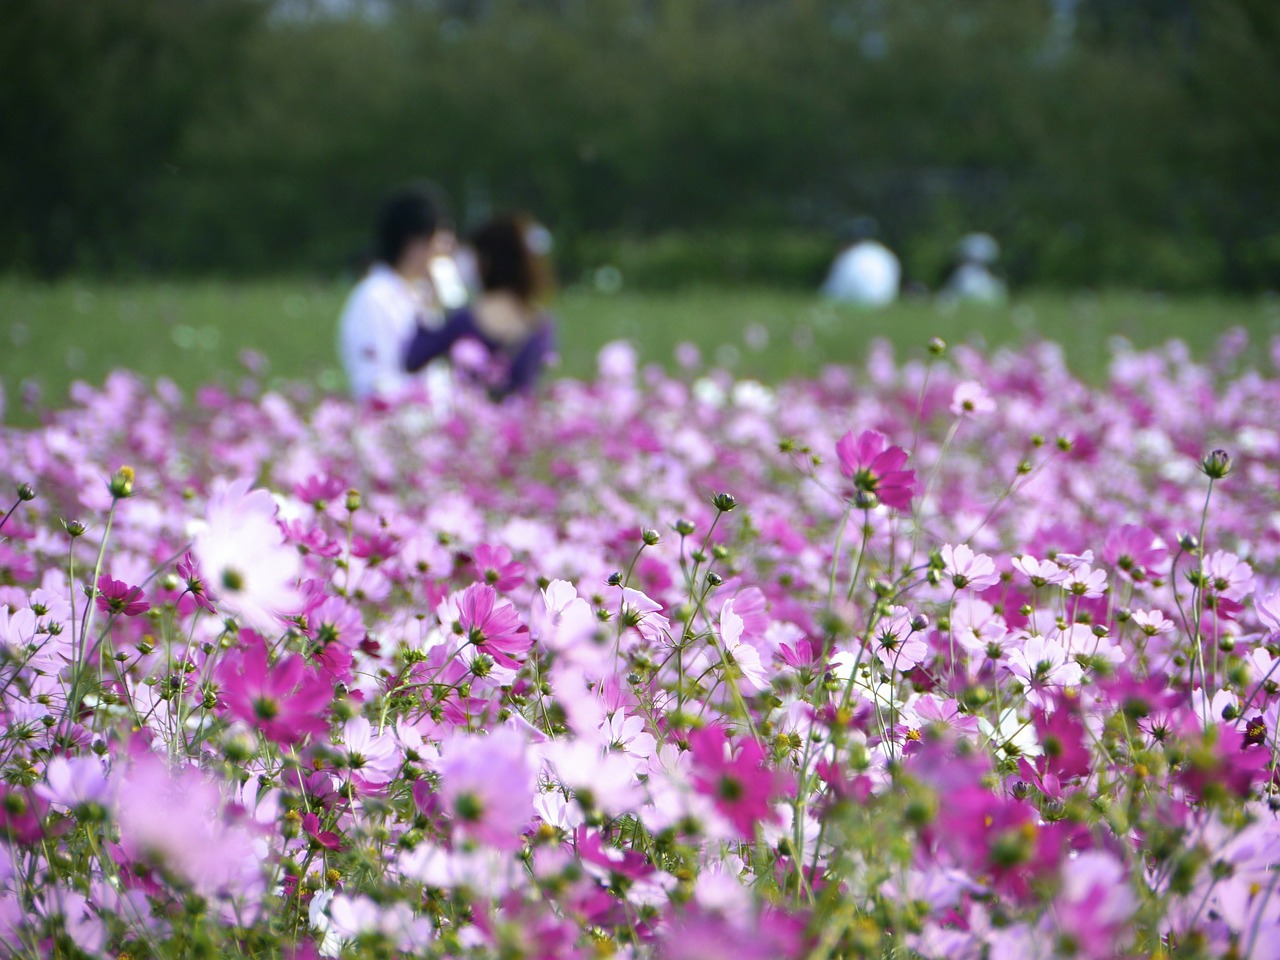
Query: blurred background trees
(1104,142)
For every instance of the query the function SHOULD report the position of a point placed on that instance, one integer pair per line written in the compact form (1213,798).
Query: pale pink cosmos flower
(1268,609)
(1041,662)
(248,567)
(971,399)
(1083,581)
(81,921)
(373,758)
(487,786)
(77,782)
(635,605)
(627,734)
(1152,622)
(965,568)
(752,675)
(600,780)
(1094,905)
(1039,572)
(354,916)
(1229,575)
(896,643)
(976,625)
(176,819)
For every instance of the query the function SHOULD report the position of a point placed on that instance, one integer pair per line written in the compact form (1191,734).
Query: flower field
(955,658)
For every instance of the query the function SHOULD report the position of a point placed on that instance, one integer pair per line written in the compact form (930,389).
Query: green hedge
(709,140)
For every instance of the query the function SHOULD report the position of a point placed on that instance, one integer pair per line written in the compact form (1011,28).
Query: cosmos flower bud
(353,500)
(615,579)
(937,346)
(724,502)
(120,485)
(919,623)
(650,537)
(714,579)
(74,527)
(684,527)
(26,492)
(1189,542)
(1216,465)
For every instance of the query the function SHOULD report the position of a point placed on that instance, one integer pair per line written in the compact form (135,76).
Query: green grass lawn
(192,332)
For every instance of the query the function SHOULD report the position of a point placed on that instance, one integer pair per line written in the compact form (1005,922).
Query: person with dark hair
(508,319)
(395,297)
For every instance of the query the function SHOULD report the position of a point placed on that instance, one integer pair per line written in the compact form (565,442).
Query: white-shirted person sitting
(865,271)
(394,298)
(974,278)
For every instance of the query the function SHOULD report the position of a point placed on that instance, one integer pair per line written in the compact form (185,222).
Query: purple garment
(524,361)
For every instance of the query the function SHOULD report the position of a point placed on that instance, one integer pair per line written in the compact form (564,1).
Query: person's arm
(426,344)
(528,363)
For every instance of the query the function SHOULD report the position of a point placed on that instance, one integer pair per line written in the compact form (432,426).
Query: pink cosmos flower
(737,780)
(968,569)
(287,701)
(319,490)
(116,598)
(373,758)
(1228,575)
(743,656)
(190,574)
(897,643)
(1041,662)
(1092,910)
(971,399)
(1039,572)
(324,838)
(1136,551)
(1268,609)
(493,626)
(876,468)
(1083,581)
(175,819)
(487,786)
(78,782)
(242,552)
(497,568)
(337,629)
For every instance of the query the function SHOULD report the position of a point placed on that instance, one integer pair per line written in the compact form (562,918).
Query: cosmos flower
(736,778)
(286,700)
(876,468)
(116,598)
(241,550)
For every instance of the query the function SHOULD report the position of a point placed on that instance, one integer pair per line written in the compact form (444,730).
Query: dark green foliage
(724,139)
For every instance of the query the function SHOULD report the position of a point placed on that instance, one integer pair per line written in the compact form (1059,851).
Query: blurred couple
(479,307)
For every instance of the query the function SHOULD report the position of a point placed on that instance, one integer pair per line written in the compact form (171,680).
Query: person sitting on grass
(507,320)
(865,272)
(395,298)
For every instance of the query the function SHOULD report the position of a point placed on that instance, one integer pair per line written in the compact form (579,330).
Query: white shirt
(377,323)
(866,273)
(974,282)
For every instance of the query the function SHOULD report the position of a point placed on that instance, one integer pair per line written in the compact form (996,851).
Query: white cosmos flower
(246,564)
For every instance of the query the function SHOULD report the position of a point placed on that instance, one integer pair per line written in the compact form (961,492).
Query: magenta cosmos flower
(742,787)
(876,468)
(286,701)
(116,597)
(492,625)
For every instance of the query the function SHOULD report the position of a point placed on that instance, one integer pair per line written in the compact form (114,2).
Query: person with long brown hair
(508,318)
